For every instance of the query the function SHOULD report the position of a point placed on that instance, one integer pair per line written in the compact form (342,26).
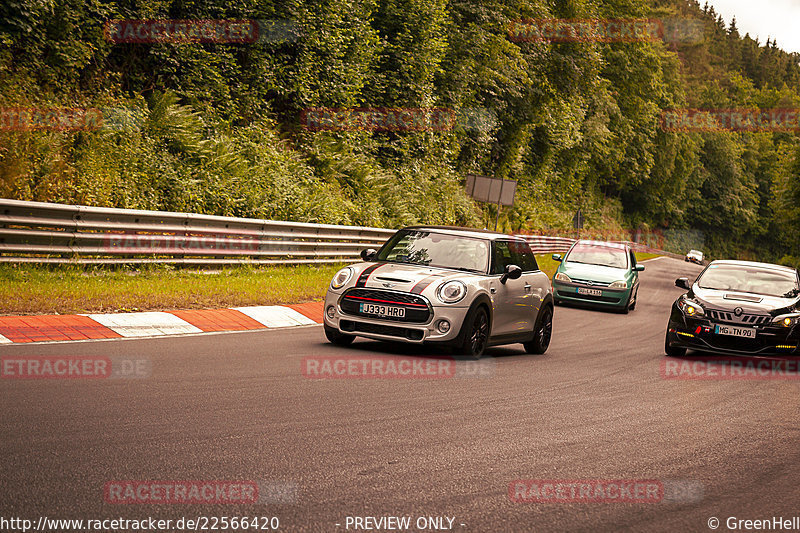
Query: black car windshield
(756,280)
(428,248)
(598,254)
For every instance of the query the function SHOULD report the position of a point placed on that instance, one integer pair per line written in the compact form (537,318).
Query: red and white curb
(50,328)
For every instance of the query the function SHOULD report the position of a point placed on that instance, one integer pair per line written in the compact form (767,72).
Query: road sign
(496,191)
(577,220)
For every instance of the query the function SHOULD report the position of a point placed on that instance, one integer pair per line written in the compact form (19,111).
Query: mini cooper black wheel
(337,337)
(544,330)
(476,334)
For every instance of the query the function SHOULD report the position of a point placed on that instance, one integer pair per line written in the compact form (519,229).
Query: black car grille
(724,342)
(416,307)
(727,316)
(381,329)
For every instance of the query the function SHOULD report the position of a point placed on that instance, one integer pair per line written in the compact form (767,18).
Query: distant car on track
(694,256)
(599,273)
(737,307)
(467,289)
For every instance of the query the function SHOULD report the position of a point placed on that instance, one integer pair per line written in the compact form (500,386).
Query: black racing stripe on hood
(423,284)
(362,279)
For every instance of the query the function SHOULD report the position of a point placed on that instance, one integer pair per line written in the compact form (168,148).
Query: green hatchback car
(599,273)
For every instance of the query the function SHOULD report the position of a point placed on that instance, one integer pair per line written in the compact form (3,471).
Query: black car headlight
(786,321)
(341,278)
(691,308)
(451,292)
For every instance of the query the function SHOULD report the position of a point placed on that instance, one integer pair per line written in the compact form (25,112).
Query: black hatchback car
(737,307)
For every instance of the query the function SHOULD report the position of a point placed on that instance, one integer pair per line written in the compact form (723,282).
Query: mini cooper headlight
(563,277)
(786,321)
(341,278)
(691,308)
(451,292)
(618,285)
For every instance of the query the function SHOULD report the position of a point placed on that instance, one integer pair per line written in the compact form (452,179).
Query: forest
(374,112)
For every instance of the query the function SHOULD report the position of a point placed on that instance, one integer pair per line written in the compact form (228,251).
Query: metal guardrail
(37,232)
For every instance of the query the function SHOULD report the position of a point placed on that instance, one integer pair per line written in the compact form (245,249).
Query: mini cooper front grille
(727,316)
(416,308)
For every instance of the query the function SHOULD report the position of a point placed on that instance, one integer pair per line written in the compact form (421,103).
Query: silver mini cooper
(467,289)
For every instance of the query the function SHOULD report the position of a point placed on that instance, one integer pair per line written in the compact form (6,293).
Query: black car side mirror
(683,283)
(510,272)
(368,254)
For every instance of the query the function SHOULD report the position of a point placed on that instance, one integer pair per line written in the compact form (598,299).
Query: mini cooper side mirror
(368,254)
(639,268)
(510,272)
(683,283)
(557,257)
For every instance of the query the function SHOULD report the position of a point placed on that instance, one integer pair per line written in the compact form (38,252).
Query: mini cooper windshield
(433,249)
(756,280)
(593,254)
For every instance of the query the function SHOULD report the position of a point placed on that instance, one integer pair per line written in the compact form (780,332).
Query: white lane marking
(276,316)
(5,340)
(162,337)
(149,324)
(652,259)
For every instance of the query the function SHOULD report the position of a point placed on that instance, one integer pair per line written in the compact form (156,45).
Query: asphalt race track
(236,406)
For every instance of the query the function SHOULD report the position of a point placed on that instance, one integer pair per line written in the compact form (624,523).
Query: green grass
(30,289)
(49,290)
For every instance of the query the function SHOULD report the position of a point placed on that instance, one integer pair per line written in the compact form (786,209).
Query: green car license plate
(590,292)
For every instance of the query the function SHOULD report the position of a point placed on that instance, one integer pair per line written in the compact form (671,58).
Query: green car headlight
(619,285)
(563,277)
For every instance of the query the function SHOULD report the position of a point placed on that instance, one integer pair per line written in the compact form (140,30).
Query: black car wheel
(543,333)
(337,337)
(673,351)
(476,334)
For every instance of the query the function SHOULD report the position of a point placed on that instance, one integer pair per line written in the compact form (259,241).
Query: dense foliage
(216,128)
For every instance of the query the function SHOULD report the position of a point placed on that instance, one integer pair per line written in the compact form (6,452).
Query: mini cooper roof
(753,263)
(465,232)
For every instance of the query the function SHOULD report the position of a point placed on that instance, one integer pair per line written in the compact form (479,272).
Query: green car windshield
(433,249)
(596,254)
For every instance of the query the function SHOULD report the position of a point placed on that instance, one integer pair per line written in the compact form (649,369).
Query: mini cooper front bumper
(421,321)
